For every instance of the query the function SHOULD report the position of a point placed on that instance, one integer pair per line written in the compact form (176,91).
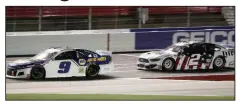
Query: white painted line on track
(129,55)
(123,67)
(137,78)
(124,71)
(125,64)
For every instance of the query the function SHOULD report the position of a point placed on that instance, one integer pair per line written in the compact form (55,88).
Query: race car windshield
(43,55)
(170,47)
(174,48)
(177,49)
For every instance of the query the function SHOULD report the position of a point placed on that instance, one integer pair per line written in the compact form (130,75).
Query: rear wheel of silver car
(37,72)
(218,63)
(92,71)
(168,64)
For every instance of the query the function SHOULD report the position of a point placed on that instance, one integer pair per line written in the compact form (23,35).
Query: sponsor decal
(97,59)
(219,37)
(231,63)
(228,53)
(81,69)
(82,61)
(101,59)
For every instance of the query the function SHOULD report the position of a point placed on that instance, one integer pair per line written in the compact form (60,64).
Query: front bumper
(144,63)
(18,77)
(148,66)
(18,74)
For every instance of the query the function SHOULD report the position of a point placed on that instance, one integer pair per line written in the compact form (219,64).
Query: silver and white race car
(62,62)
(189,55)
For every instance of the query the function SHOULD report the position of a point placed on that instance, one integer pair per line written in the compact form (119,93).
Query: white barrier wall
(70,32)
(120,42)
(22,44)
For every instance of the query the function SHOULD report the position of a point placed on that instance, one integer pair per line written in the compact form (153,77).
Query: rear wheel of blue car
(37,72)
(92,71)
(168,64)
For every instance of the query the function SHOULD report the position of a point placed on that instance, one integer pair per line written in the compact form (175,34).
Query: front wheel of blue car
(37,72)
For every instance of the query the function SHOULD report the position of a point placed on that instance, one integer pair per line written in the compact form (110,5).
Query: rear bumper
(106,68)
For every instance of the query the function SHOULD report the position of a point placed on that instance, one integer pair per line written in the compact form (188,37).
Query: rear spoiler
(104,52)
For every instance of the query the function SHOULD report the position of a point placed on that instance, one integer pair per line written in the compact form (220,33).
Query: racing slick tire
(37,73)
(92,71)
(219,63)
(168,64)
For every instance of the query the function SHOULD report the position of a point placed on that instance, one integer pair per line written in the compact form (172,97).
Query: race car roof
(186,43)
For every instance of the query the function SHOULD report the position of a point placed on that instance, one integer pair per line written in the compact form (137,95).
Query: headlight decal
(143,60)
(153,60)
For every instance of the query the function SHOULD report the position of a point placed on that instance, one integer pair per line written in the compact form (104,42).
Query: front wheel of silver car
(37,72)
(168,64)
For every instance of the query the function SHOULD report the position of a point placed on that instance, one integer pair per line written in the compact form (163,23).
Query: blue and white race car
(62,62)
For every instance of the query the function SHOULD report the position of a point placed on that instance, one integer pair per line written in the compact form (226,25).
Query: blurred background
(33,18)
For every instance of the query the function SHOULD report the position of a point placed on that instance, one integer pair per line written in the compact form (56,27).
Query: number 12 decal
(64,67)
(194,59)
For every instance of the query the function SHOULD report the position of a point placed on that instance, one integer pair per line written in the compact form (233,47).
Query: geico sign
(219,37)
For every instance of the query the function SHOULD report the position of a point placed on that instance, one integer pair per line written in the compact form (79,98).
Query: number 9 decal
(64,67)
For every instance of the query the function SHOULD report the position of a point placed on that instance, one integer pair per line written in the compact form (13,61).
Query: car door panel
(65,65)
(192,58)
(62,68)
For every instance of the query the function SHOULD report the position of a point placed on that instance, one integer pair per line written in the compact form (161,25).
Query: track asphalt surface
(126,80)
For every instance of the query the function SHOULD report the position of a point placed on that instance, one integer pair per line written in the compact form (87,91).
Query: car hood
(24,63)
(153,54)
(19,62)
